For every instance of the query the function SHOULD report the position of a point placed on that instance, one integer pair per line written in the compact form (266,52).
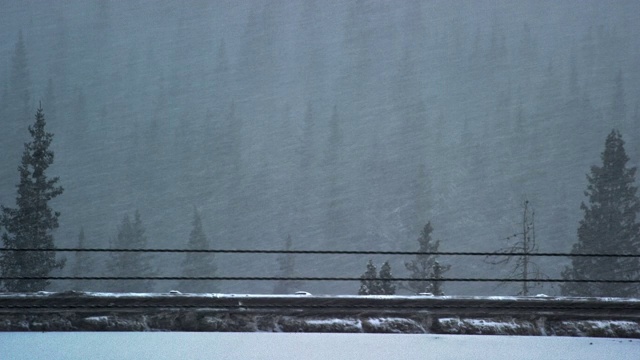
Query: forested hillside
(342,124)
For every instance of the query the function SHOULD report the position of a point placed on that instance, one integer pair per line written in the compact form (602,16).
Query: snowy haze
(345,124)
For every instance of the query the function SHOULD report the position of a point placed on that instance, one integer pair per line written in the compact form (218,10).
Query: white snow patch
(343,324)
(487,324)
(386,320)
(484,326)
(97,318)
(395,325)
(191,346)
(375,321)
(611,327)
(451,322)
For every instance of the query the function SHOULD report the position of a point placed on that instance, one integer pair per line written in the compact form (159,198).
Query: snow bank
(192,346)
(508,326)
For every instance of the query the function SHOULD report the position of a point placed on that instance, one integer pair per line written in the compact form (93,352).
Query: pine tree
(198,264)
(369,284)
(286,267)
(50,101)
(618,106)
(374,283)
(387,285)
(31,223)
(306,176)
(635,124)
(337,227)
(437,272)
(609,226)
(422,267)
(20,82)
(18,105)
(127,264)
(82,266)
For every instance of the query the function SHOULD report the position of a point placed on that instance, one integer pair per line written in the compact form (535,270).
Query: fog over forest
(347,125)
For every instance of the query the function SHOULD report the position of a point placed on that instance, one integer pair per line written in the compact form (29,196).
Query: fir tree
(337,227)
(126,264)
(618,106)
(387,285)
(20,82)
(17,103)
(374,283)
(198,264)
(306,176)
(82,265)
(286,267)
(369,284)
(30,224)
(422,267)
(609,226)
(50,101)
(437,272)
(635,124)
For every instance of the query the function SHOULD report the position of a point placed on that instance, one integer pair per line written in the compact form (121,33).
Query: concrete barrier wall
(539,316)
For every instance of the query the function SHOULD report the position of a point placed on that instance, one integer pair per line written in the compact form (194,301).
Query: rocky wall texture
(229,322)
(537,316)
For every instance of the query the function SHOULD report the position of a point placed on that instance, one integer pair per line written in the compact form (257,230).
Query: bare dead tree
(519,254)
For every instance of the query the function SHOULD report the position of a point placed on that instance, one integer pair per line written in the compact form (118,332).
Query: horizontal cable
(324,252)
(277,278)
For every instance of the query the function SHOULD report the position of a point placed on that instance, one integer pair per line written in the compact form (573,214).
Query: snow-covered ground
(246,346)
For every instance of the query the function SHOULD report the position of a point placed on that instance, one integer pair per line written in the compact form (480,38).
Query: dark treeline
(344,125)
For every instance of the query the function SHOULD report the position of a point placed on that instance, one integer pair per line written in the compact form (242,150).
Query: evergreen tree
(20,82)
(387,285)
(50,101)
(618,105)
(337,227)
(286,267)
(423,266)
(374,283)
(369,284)
(221,79)
(231,169)
(131,236)
(609,226)
(4,100)
(31,223)
(198,264)
(306,175)
(314,61)
(82,265)
(414,133)
(80,121)
(18,107)
(635,124)
(437,272)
